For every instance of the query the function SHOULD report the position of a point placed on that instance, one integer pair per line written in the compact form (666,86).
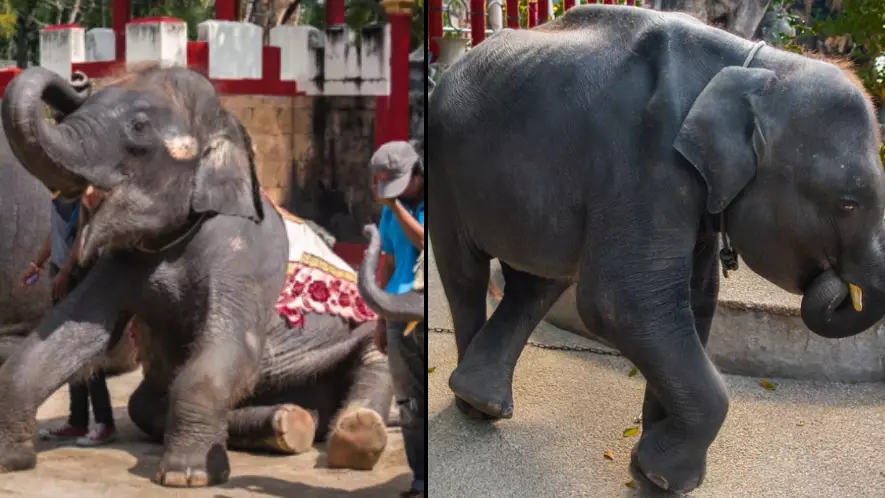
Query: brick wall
(312,155)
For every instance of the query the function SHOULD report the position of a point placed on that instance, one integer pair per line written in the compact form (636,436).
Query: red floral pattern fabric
(310,289)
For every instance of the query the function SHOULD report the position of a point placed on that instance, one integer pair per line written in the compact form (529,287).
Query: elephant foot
(294,428)
(189,468)
(487,389)
(17,457)
(357,441)
(471,412)
(666,472)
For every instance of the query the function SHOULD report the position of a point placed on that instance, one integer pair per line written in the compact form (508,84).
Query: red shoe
(99,435)
(66,431)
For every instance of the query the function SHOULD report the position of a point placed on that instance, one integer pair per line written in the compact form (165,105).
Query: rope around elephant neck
(176,241)
(727,255)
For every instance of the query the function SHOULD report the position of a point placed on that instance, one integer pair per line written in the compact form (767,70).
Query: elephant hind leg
(284,428)
(464,274)
(484,376)
(358,434)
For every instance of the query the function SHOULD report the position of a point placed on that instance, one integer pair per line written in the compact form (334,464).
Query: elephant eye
(848,205)
(139,122)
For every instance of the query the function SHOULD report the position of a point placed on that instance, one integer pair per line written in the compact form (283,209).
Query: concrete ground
(804,439)
(124,468)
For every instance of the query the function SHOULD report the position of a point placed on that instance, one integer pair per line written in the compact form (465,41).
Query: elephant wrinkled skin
(184,241)
(627,138)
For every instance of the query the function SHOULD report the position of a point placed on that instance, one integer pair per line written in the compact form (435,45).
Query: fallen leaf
(431,369)
(767,385)
(853,382)
(633,372)
(631,432)
(631,484)
(801,423)
(608,455)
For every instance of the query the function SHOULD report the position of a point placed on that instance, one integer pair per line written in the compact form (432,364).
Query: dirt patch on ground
(125,468)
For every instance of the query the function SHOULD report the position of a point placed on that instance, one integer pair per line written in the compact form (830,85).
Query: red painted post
(121,11)
(567,4)
(226,10)
(543,11)
(532,14)
(398,111)
(435,19)
(513,14)
(334,12)
(477,21)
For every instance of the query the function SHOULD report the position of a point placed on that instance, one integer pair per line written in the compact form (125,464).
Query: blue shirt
(63,228)
(395,243)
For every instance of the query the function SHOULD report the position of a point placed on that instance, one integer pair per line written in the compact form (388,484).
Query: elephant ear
(722,136)
(226,181)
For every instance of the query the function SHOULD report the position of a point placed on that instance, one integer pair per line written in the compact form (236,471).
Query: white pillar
(161,40)
(351,71)
(100,45)
(375,60)
(234,49)
(298,55)
(60,46)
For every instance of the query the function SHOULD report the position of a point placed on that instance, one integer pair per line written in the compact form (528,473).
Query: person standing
(398,175)
(61,248)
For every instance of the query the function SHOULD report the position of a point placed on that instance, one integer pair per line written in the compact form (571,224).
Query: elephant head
(408,307)
(792,163)
(156,142)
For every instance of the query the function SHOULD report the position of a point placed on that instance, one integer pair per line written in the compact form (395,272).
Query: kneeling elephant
(252,333)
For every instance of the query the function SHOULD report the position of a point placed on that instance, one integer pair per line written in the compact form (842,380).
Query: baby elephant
(252,333)
(663,135)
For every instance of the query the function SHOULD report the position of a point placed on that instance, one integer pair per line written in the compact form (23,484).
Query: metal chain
(579,349)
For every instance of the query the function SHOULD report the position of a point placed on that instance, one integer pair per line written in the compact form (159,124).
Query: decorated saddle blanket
(317,279)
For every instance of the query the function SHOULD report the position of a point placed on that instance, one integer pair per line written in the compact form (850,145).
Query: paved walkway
(805,439)
(123,469)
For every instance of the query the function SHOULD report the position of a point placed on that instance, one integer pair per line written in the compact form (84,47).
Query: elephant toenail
(658,481)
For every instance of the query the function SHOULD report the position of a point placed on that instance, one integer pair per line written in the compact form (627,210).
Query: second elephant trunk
(408,307)
(828,311)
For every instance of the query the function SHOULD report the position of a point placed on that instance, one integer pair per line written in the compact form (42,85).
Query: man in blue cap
(398,175)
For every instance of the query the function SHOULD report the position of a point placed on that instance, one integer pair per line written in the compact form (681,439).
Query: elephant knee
(147,412)
(709,416)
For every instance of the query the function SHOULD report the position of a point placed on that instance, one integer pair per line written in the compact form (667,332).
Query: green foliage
(862,22)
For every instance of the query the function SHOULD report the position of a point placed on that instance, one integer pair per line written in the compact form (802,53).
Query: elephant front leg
(643,300)
(223,370)
(72,334)
(704,297)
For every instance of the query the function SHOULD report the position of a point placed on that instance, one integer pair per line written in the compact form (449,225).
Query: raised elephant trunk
(830,311)
(408,307)
(52,153)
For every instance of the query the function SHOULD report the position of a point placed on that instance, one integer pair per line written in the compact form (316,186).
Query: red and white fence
(299,59)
